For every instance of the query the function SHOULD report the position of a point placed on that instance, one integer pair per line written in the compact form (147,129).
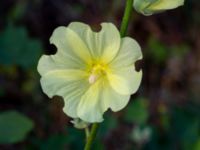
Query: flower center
(97,71)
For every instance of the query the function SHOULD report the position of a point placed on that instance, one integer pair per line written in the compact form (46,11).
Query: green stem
(126,17)
(87,132)
(91,137)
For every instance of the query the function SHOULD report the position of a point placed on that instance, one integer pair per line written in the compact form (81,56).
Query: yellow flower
(92,71)
(149,7)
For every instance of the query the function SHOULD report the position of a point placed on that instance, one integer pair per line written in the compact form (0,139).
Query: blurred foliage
(16,48)
(159,52)
(61,141)
(163,115)
(137,111)
(54,142)
(14,127)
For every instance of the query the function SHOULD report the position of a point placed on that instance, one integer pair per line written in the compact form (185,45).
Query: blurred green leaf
(197,145)
(14,127)
(164,116)
(137,111)
(58,141)
(157,51)
(110,122)
(184,127)
(2,92)
(180,50)
(190,135)
(16,48)
(75,136)
(18,10)
(98,144)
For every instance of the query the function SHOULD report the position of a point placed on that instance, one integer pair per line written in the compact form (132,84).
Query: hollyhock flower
(149,7)
(92,71)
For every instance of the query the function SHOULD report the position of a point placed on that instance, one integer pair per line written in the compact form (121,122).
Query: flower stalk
(91,137)
(126,17)
(87,132)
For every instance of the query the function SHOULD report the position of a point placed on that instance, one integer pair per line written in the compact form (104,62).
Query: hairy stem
(87,132)
(91,137)
(126,17)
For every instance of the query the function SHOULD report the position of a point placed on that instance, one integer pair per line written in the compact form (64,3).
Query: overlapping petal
(97,99)
(72,99)
(112,99)
(89,108)
(58,62)
(70,84)
(125,81)
(128,54)
(123,77)
(102,45)
(70,44)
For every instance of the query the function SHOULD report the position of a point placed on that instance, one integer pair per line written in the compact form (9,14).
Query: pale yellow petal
(112,99)
(89,108)
(72,97)
(70,84)
(125,80)
(69,43)
(128,54)
(110,42)
(56,62)
(55,82)
(103,45)
(149,7)
(166,4)
(99,98)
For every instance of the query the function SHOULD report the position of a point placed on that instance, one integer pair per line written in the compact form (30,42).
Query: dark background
(163,115)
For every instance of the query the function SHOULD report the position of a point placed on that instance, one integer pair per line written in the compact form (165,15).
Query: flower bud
(149,7)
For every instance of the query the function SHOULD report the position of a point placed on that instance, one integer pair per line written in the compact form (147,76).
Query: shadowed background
(163,115)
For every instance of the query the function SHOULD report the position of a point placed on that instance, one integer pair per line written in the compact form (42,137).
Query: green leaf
(137,111)
(75,135)
(53,142)
(157,51)
(16,48)
(180,50)
(197,145)
(110,122)
(14,127)
(185,127)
